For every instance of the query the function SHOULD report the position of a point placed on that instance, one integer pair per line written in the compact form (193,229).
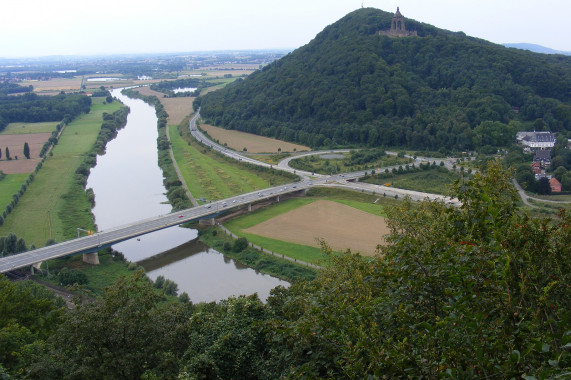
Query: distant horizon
(128,27)
(516,45)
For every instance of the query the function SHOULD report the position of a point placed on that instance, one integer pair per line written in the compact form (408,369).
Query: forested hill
(352,86)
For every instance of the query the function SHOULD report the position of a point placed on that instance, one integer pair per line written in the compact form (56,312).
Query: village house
(543,157)
(555,185)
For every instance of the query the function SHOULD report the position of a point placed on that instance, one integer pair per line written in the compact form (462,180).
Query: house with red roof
(555,185)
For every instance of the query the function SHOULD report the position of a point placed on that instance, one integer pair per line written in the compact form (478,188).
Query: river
(128,186)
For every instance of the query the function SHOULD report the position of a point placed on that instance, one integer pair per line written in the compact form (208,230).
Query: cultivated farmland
(253,143)
(15,144)
(341,226)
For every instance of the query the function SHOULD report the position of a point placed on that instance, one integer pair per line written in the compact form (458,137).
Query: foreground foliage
(478,291)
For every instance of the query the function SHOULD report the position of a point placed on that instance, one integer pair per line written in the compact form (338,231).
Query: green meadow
(9,186)
(27,128)
(209,175)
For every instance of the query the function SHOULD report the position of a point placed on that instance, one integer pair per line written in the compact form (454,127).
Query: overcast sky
(69,27)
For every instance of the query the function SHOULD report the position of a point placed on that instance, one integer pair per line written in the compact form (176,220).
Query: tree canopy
(32,108)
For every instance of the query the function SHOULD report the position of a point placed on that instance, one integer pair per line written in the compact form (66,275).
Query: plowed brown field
(15,144)
(339,225)
(253,143)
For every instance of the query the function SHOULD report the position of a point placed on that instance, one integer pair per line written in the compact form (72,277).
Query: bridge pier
(91,258)
(249,207)
(207,222)
(278,198)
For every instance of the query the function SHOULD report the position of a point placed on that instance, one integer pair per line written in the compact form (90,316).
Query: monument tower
(397,27)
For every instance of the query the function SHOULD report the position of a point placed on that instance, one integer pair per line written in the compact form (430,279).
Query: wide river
(128,186)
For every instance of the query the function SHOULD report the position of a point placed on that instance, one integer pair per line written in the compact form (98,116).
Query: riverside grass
(435,180)
(211,176)
(38,216)
(274,266)
(9,186)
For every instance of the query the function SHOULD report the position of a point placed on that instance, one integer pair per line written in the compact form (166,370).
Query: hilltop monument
(397,27)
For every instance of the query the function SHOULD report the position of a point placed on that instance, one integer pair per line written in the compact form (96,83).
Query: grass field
(211,176)
(27,128)
(437,180)
(253,143)
(317,164)
(42,210)
(10,185)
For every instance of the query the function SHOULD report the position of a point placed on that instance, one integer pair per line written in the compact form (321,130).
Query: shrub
(67,277)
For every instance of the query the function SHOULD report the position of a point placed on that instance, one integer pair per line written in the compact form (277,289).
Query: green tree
(28,312)
(566,182)
(559,173)
(120,336)
(159,282)
(26,150)
(170,288)
(543,186)
(240,244)
(68,277)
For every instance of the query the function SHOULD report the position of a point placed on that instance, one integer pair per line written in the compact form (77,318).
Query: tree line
(32,108)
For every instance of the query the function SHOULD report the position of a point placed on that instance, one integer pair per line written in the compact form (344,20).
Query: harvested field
(253,143)
(339,225)
(56,84)
(15,143)
(177,108)
(146,90)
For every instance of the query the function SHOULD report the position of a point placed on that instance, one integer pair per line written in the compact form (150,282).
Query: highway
(111,236)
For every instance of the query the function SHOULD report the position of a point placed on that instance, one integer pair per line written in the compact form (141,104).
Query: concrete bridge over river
(102,239)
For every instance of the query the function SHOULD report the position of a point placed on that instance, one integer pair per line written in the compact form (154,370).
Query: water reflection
(207,275)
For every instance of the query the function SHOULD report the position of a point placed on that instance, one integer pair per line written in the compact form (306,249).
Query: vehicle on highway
(207,206)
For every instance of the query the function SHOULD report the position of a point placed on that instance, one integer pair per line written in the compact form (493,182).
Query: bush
(240,244)
(67,277)
(159,282)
